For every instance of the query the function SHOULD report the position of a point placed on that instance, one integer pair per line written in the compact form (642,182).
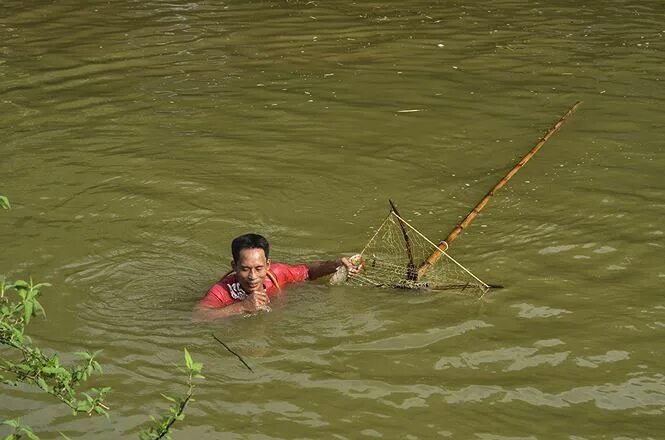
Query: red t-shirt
(228,291)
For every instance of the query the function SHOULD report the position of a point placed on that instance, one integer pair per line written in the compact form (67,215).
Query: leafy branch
(18,305)
(35,367)
(160,428)
(20,430)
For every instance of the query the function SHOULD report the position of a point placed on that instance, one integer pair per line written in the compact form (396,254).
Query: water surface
(139,138)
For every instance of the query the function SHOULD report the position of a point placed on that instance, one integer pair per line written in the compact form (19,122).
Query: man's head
(249,241)
(250,261)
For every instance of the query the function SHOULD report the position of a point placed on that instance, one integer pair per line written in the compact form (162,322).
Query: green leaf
(101,411)
(169,398)
(188,360)
(4,202)
(97,367)
(22,367)
(42,384)
(31,435)
(20,284)
(27,311)
(38,308)
(14,423)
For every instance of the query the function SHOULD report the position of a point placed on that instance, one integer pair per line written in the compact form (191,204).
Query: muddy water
(139,138)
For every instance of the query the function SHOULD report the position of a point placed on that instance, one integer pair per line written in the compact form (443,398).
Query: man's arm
(206,313)
(319,269)
(252,303)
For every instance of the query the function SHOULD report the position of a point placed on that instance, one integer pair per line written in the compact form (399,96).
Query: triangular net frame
(392,257)
(398,255)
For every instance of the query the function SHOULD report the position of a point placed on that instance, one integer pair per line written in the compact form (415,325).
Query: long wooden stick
(457,230)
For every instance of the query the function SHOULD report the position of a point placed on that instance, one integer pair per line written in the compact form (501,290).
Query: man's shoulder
(229,277)
(276,266)
(288,273)
(219,295)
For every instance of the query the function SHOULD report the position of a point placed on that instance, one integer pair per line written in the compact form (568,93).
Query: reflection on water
(140,137)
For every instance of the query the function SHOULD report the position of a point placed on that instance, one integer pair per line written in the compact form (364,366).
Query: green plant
(4,202)
(160,428)
(20,430)
(18,305)
(31,364)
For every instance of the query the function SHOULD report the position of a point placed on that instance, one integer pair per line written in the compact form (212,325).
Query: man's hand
(256,301)
(352,268)
(353,265)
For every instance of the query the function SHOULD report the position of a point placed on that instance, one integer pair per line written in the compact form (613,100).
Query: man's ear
(233,264)
(268,263)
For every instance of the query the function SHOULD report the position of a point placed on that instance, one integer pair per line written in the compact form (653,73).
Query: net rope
(387,262)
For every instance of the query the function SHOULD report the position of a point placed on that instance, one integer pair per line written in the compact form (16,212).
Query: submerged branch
(233,353)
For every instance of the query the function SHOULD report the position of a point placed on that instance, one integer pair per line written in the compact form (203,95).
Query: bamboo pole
(457,230)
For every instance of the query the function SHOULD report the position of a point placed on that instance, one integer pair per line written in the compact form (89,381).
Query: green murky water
(139,138)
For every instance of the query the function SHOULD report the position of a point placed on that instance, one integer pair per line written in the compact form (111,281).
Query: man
(254,279)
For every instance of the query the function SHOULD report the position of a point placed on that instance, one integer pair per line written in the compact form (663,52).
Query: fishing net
(401,257)
(397,250)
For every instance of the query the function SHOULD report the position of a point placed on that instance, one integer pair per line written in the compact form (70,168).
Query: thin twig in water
(233,353)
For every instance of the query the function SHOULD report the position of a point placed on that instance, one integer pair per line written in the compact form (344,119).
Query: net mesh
(393,255)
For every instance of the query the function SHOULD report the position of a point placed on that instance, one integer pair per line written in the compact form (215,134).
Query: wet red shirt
(228,291)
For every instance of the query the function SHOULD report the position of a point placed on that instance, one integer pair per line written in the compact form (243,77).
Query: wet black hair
(249,241)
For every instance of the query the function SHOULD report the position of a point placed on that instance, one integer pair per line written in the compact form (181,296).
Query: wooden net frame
(389,256)
(399,256)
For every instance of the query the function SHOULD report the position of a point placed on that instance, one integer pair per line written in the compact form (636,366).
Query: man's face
(251,269)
